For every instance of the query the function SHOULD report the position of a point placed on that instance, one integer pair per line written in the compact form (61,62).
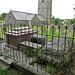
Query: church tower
(45,9)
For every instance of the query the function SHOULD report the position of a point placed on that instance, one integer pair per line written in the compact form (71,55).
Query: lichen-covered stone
(56,49)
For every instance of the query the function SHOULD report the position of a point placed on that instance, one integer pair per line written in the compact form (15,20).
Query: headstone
(43,29)
(62,30)
(52,29)
(59,25)
(69,27)
(73,29)
(69,23)
(65,25)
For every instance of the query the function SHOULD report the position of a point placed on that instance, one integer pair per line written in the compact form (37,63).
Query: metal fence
(46,48)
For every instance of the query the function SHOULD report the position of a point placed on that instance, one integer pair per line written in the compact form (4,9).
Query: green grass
(1,32)
(47,32)
(1,21)
(5,72)
(50,69)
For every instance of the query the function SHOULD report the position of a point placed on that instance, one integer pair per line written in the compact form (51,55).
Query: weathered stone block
(38,38)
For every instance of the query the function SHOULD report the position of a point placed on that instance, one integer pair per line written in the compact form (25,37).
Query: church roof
(41,17)
(26,16)
(22,15)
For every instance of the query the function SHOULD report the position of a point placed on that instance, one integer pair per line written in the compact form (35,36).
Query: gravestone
(69,24)
(61,28)
(73,29)
(69,27)
(52,29)
(59,25)
(43,28)
(65,25)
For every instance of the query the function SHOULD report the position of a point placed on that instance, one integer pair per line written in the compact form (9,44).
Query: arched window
(42,1)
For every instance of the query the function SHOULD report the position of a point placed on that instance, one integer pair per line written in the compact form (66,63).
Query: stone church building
(23,18)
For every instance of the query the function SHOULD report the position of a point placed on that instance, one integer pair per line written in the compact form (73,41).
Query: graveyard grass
(49,35)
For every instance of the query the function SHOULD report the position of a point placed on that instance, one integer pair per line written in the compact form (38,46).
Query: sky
(62,9)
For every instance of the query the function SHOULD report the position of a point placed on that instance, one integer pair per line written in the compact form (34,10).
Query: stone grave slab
(55,51)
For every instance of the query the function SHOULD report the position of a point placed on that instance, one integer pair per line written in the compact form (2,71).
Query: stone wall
(27,70)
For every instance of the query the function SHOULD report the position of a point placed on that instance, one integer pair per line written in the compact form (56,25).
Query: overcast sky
(62,9)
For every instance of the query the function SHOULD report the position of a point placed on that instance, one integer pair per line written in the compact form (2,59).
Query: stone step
(4,65)
(7,61)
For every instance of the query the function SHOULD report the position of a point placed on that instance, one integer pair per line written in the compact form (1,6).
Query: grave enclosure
(46,44)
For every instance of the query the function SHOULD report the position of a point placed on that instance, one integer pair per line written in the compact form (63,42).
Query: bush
(5,72)
(50,69)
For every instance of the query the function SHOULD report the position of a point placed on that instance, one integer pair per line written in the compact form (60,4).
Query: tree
(72,21)
(3,16)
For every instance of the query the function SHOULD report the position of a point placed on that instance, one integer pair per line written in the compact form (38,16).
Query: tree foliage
(55,20)
(62,21)
(2,17)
